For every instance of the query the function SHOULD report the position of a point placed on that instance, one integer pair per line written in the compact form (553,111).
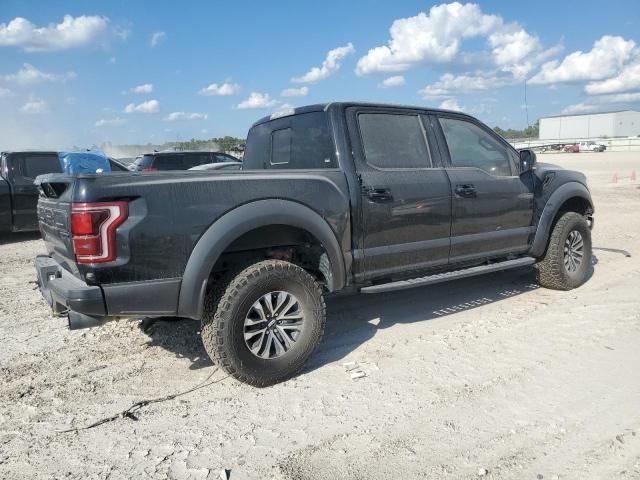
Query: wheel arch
(570,197)
(240,221)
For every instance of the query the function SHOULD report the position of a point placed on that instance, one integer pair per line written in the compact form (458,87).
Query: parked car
(117,165)
(591,147)
(18,194)
(151,162)
(573,148)
(340,197)
(219,166)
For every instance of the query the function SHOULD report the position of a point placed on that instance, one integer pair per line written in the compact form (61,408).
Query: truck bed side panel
(171,211)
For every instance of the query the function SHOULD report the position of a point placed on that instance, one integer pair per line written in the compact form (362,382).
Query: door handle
(379,194)
(466,191)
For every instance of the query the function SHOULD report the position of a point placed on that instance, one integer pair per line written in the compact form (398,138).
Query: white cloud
(151,106)
(579,108)
(432,38)
(451,104)
(449,83)
(257,100)
(330,65)
(627,79)
(604,60)
(282,110)
(295,92)
(34,106)
(145,88)
(174,116)
(157,38)
(30,75)
(72,32)
(601,102)
(437,37)
(222,89)
(394,81)
(512,44)
(111,122)
(5,92)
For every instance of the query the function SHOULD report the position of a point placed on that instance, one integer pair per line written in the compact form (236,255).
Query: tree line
(532,131)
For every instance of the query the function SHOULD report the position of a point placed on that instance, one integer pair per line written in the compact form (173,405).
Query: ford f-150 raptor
(339,196)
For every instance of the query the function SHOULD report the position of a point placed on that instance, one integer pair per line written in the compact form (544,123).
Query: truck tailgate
(54,211)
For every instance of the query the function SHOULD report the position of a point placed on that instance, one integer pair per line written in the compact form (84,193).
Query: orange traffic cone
(615,178)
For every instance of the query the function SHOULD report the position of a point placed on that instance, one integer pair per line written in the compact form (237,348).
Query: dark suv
(151,162)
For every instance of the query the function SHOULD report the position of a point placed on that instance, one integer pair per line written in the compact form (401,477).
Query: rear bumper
(68,295)
(90,305)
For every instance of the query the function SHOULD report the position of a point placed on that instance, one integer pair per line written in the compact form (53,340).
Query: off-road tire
(551,271)
(227,305)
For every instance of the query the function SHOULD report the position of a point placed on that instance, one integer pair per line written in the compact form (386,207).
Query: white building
(625,123)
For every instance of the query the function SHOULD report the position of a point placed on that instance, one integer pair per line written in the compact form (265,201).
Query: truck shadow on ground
(7,238)
(354,319)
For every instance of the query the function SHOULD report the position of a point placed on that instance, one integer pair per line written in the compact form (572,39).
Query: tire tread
(219,304)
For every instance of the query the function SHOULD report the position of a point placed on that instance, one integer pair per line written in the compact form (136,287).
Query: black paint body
(18,194)
(376,224)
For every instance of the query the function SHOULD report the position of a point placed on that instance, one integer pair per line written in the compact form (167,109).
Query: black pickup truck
(18,194)
(342,196)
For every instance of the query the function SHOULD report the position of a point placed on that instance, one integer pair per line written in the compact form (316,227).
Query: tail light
(93,230)
(149,169)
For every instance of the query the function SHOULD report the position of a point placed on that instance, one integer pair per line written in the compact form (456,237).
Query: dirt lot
(486,377)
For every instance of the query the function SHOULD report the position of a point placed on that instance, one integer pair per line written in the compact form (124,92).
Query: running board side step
(453,275)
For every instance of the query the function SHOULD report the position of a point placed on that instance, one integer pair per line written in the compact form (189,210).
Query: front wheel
(265,324)
(567,261)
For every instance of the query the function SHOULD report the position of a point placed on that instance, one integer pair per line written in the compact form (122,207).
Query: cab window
(393,140)
(471,146)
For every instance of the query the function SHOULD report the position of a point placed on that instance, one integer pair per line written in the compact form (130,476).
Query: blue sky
(69,68)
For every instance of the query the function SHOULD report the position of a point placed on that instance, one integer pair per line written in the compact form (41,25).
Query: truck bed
(169,211)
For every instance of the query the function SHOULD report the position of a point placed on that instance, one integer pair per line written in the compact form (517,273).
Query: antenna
(526,108)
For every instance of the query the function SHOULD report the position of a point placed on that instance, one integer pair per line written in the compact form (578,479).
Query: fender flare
(556,200)
(239,221)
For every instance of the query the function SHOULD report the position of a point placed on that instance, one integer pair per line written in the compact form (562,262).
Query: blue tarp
(84,162)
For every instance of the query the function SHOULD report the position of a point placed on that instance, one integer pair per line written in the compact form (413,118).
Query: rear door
(24,168)
(405,201)
(492,205)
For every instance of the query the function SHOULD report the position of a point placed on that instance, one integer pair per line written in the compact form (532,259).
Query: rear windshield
(144,162)
(39,164)
(299,141)
(175,161)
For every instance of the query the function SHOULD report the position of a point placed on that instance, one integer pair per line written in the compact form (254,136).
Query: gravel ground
(488,377)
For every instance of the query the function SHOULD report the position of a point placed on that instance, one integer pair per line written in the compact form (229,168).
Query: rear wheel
(567,261)
(265,324)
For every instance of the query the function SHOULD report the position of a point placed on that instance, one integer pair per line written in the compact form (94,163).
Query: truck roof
(318,107)
(48,152)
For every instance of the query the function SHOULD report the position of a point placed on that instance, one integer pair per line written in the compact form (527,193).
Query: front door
(405,199)
(492,204)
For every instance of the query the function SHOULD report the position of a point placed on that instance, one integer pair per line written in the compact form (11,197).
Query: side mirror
(527,160)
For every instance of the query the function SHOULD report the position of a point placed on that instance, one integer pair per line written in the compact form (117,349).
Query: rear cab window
(32,165)
(145,161)
(300,141)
